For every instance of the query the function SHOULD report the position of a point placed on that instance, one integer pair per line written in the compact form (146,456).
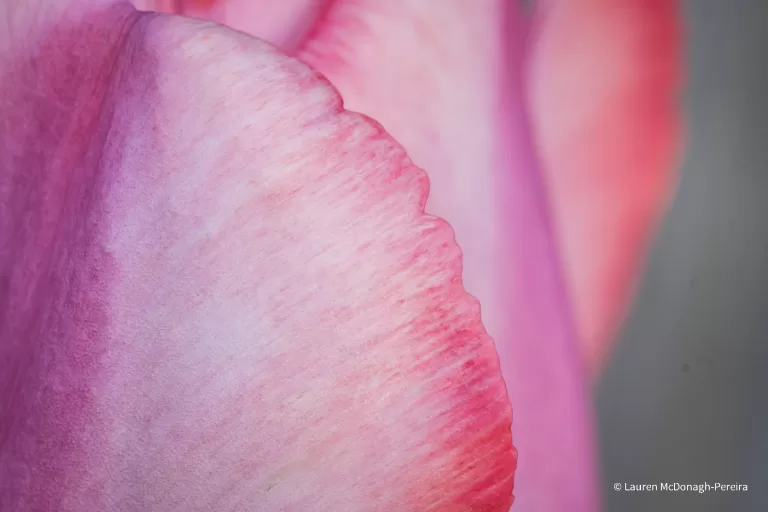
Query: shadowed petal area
(604,92)
(220,290)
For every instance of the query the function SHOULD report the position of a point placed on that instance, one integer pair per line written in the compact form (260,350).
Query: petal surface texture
(445,77)
(604,86)
(219,290)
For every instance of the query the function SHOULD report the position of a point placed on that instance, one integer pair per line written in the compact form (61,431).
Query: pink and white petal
(604,86)
(284,23)
(445,78)
(220,290)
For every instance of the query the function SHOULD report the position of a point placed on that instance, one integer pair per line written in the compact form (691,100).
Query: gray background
(685,398)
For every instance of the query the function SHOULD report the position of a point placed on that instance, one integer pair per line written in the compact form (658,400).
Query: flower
(220,290)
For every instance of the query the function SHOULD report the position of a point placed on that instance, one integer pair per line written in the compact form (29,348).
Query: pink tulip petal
(445,78)
(219,289)
(604,85)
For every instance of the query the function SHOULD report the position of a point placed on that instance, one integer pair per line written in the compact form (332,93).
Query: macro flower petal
(550,150)
(446,79)
(219,289)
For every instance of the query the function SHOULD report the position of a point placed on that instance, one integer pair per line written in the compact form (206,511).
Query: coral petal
(604,85)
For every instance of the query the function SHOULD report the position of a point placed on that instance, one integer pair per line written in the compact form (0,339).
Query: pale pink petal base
(220,291)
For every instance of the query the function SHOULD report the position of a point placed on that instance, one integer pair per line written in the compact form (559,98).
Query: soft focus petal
(604,87)
(284,23)
(220,291)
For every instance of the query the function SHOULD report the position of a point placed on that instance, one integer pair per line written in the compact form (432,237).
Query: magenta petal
(220,291)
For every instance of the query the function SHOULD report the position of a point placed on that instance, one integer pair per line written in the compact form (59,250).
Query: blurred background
(685,398)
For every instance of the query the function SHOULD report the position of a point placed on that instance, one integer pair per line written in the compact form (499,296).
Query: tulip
(220,290)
